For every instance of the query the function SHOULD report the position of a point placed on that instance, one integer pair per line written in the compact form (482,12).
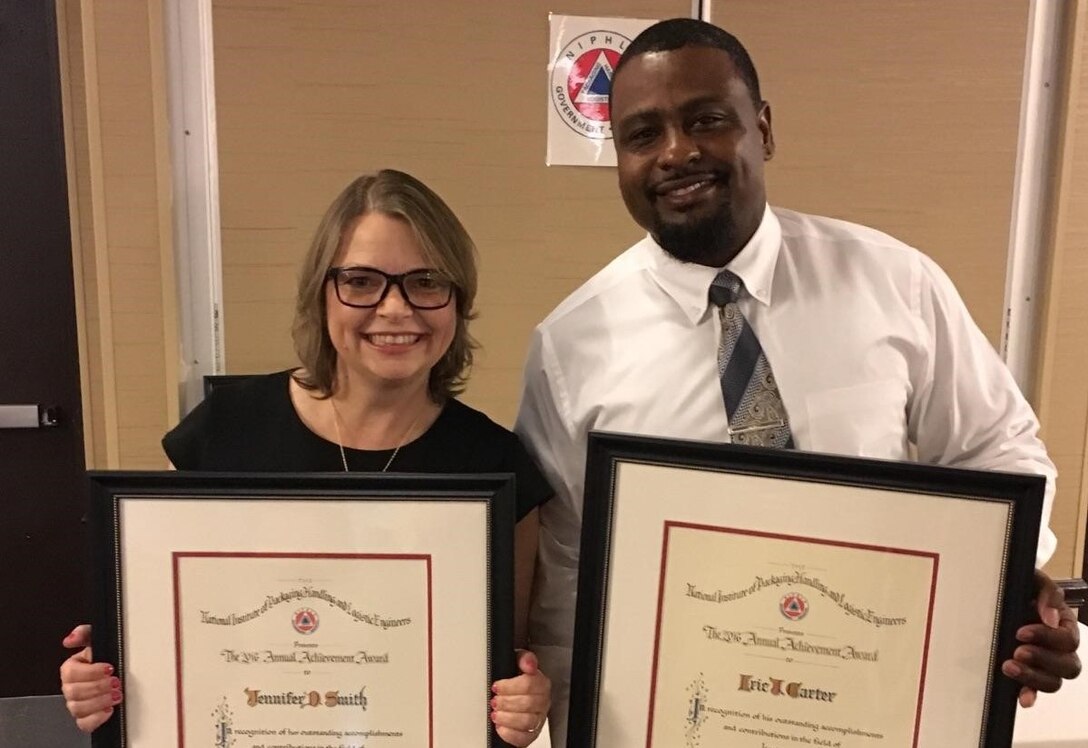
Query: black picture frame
(111,489)
(1021,494)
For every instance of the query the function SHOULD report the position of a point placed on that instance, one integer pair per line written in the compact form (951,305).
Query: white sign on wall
(582,57)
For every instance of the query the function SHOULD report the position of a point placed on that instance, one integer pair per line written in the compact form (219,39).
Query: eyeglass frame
(391,279)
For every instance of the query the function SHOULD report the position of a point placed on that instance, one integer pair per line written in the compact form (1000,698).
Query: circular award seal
(581,80)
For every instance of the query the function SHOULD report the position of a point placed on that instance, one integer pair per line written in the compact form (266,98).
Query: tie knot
(725,288)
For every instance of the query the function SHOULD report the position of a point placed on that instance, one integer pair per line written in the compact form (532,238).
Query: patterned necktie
(756,414)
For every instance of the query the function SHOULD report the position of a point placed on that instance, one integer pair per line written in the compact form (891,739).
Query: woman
(381,329)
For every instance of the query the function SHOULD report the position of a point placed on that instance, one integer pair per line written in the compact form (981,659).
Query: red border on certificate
(669,524)
(425,557)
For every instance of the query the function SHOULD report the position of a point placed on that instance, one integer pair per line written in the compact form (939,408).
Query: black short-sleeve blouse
(253,427)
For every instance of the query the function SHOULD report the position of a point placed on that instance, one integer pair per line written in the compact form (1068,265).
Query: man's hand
(1048,652)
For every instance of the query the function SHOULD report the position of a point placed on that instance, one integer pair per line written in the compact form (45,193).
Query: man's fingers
(1062,665)
(1031,677)
(1065,638)
(1049,599)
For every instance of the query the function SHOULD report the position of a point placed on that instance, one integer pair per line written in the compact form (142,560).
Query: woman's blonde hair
(446,246)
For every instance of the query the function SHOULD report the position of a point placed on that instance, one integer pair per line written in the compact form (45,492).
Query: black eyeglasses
(366,287)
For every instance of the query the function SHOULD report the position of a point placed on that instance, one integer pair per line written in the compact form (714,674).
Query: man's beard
(700,240)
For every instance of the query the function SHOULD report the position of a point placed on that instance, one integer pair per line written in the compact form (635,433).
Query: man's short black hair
(676,33)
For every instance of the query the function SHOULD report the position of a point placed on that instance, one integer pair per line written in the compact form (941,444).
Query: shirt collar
(687,282)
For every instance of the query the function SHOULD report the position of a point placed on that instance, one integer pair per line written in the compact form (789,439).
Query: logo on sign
(582,79)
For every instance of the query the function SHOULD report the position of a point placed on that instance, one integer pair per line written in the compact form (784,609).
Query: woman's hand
(91,690)
(521,704)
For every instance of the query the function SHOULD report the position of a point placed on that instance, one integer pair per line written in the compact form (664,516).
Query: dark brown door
(42,494)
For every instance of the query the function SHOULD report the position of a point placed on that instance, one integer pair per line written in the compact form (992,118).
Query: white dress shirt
(873,350)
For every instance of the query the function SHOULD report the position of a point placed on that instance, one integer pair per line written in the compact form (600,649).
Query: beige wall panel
(122,212)
(125,101)
(1063,380)
(133,226)
(900,115)
(143,416)
(83,232)
(141,447)
(134,189)
(309,95)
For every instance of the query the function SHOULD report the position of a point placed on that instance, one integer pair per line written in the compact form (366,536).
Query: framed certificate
(251,611)
(769,598)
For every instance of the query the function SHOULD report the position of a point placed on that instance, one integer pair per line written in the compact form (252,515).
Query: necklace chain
(340,439)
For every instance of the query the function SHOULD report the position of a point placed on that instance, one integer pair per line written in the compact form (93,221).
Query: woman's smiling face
(392,344)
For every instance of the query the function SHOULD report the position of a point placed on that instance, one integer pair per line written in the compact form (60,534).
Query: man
(872,351)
